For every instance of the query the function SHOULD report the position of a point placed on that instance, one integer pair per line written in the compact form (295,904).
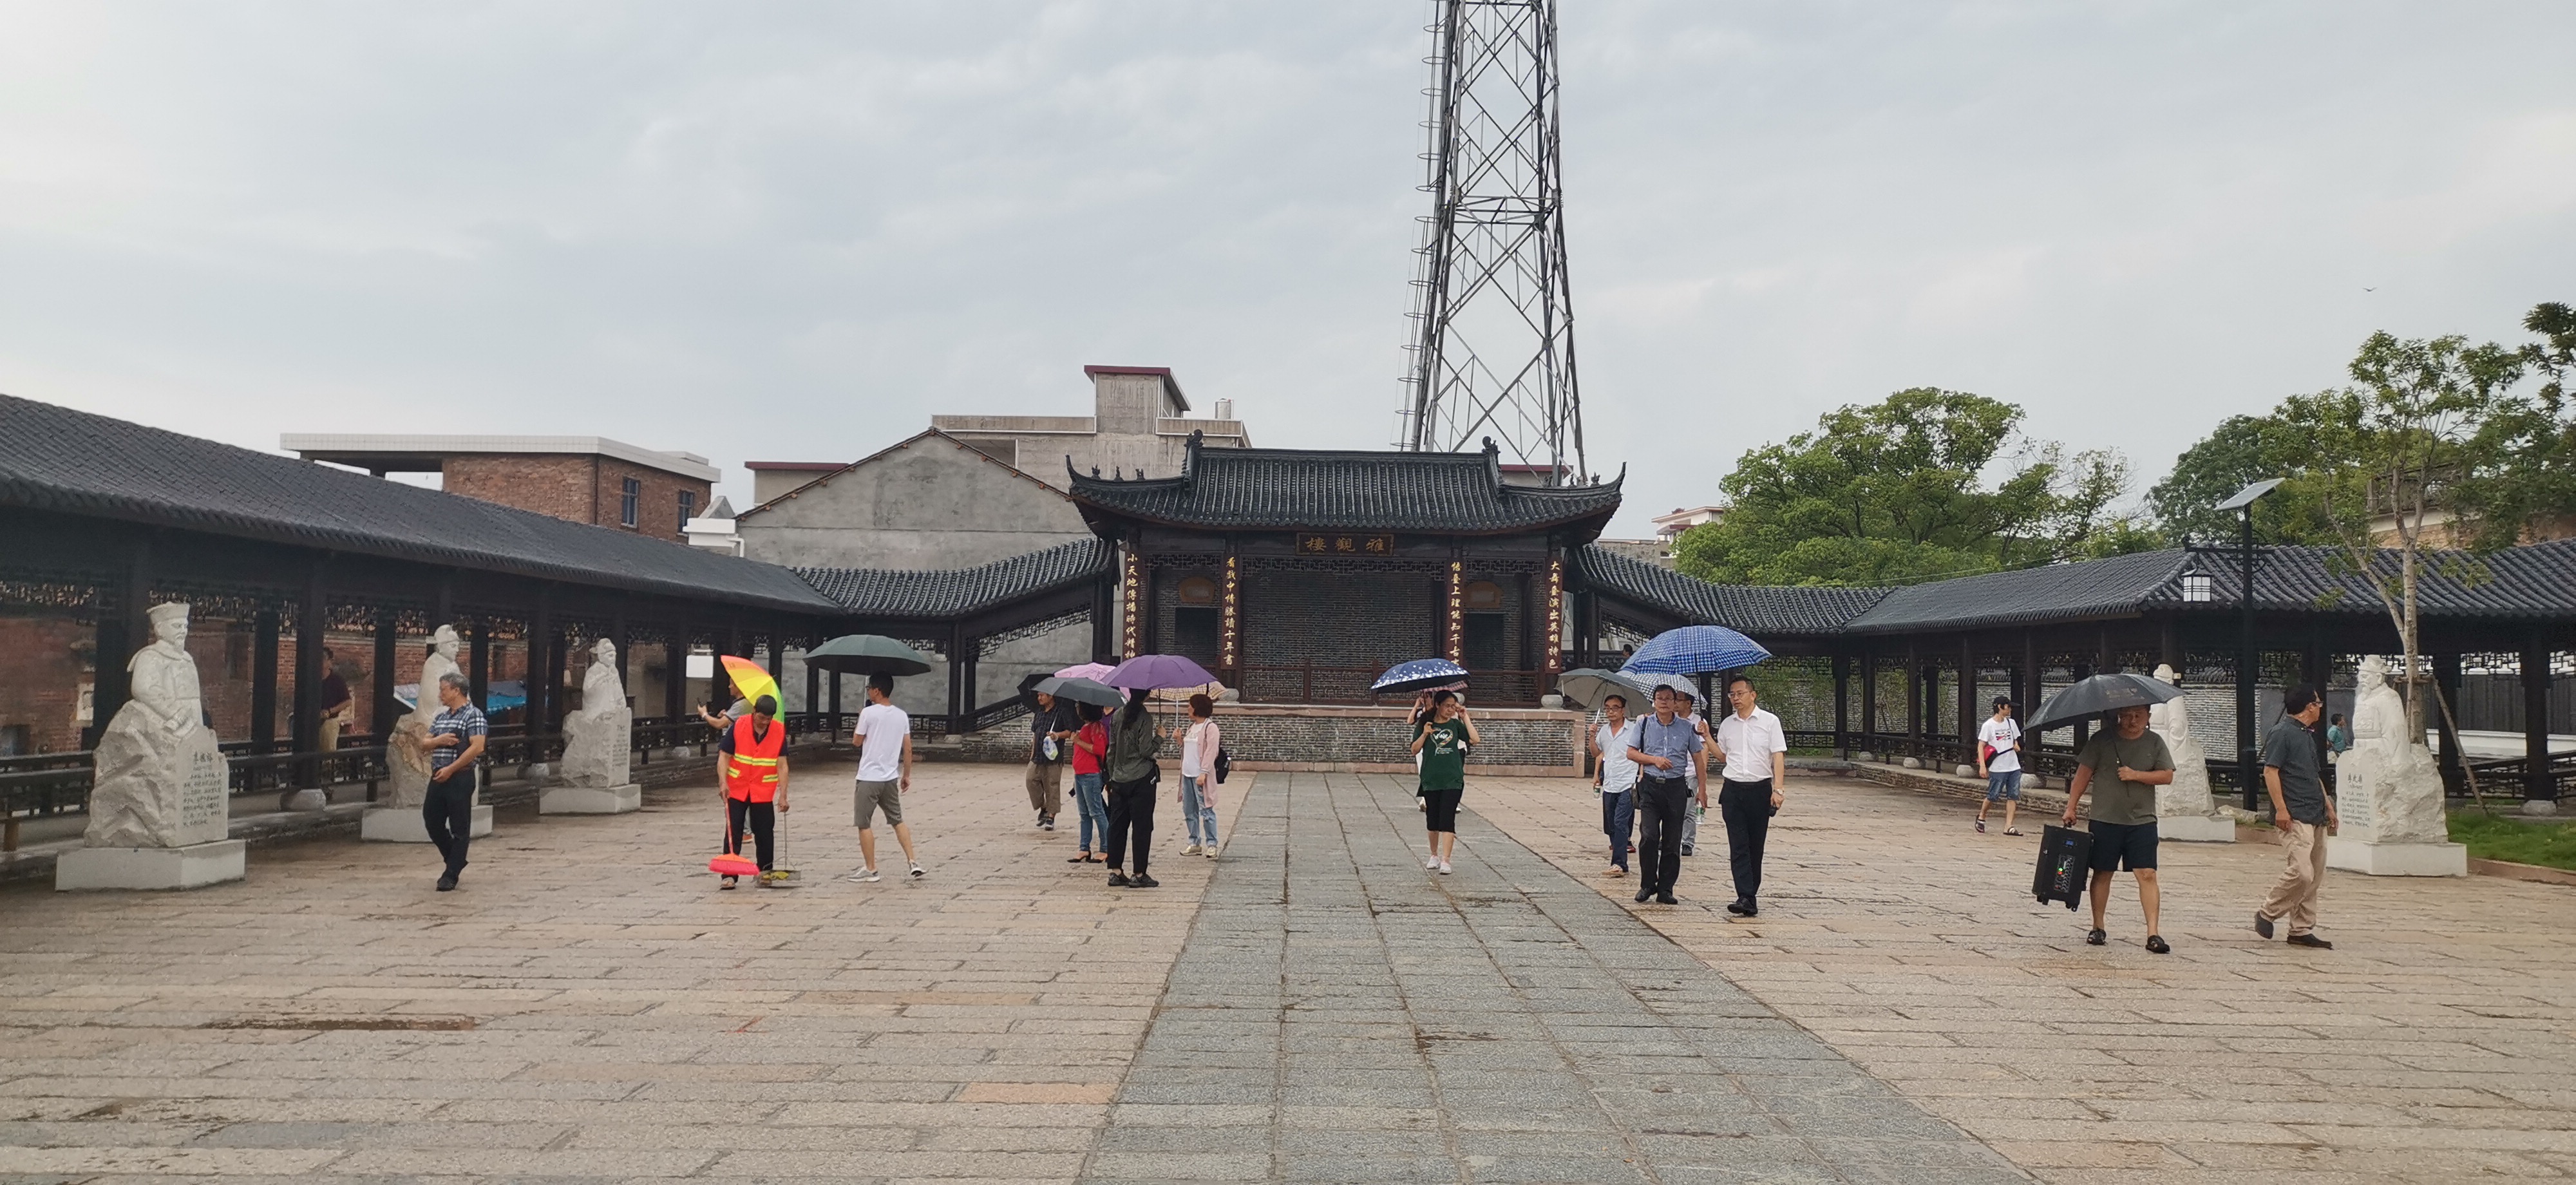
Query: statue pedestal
(398,824)
(590,800)
(190,867)
(2197,828)
(2397,859)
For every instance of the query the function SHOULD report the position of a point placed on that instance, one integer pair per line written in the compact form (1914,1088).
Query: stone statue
(597,739)
(160,780)
(2188,794)
(409,761)
(2387,788)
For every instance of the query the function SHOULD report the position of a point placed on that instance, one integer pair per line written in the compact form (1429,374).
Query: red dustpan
(730,864)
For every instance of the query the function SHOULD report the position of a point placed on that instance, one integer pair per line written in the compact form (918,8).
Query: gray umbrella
(2099,694)
(1082,691)
(1586,687)
(867,654)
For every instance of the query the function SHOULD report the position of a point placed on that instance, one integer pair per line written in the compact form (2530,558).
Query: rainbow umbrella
(751,681)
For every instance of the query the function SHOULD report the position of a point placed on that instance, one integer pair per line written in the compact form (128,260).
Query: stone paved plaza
(1313,1006)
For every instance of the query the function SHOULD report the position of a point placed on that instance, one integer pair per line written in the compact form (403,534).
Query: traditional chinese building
(1297,575)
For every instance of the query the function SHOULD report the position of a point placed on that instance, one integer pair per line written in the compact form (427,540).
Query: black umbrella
(2099,694)
(1082,691)
(867,654)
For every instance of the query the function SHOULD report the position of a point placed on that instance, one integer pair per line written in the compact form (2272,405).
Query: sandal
(2156,945)
(2012,830)
(1981,827)
(2096,938)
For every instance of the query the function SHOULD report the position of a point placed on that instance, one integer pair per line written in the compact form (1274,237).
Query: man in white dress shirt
(1755,751)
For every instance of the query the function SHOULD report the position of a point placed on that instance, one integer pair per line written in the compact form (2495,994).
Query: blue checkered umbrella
(1422,674)
(1696,650)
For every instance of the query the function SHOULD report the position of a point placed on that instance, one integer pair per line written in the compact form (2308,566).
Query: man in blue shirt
(448,812)
(1664,746)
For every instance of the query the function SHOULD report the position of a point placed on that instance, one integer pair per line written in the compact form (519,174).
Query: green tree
(1896,491)
(2242,450)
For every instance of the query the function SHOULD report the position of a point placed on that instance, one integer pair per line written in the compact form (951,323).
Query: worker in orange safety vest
(755,784)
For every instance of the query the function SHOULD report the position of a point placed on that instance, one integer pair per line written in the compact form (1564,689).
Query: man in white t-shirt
(1614,778)
(1999,763)
(884,738)
(1754,750)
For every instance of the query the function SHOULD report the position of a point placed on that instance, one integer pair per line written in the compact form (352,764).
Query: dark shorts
(2122,845)
(1440,809)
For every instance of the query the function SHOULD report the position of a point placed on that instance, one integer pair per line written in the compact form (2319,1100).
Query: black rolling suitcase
(2063,869)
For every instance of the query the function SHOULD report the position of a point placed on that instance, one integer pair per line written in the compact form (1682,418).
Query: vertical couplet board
(1457,642)
(1135,578)
(1555,652)
(1230,603)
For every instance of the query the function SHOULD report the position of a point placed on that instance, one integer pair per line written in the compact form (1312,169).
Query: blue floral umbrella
(1421,674)
(1695,650)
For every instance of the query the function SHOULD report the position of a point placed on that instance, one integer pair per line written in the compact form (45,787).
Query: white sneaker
(864,875)
(1208,851)
(1431,864)
(1444,868)
(919,872)
(1190,850)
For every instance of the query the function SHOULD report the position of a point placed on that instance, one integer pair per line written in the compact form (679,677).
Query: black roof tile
(56,459)
(957,592)
(1758,610)
(1288,489)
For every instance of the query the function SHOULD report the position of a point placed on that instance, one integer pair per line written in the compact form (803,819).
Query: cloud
(804,228)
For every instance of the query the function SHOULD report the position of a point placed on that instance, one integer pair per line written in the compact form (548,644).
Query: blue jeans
(1094,812)
(1619,821)
(1199,814)
(2002,784)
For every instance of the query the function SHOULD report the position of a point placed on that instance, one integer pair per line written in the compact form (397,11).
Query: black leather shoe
(1751,910)
(1645,895)
(2263,925)
(2311,941)
(1117,879)
(447,883)
(1666,899)
(1142,881)
(1738,907)
(1686,849)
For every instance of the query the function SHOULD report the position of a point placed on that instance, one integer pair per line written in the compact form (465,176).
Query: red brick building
(587,479)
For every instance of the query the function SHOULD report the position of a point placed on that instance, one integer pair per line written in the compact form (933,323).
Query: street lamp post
(2249,760)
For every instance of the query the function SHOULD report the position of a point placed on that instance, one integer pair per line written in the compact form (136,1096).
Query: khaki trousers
(1046,787)
(2303,847)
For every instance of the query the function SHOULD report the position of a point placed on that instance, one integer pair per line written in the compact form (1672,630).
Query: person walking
(1999,763)
(1662,745)
(1754,750)
(754,752)
(2123,816)
(1199,741)
(1442,743)
(2338,738)
(1090,749)
(2304,815)
(1614,778)
(884,737)
(1051,728)
(448,812)
(1133,745)
(1694,772)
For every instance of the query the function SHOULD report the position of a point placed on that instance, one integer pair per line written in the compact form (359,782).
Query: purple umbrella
(1149,671)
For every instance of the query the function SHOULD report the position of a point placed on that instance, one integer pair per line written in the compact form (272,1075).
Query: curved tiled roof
(2112,587)
(957,592)
(1292,489)
(1759,610)
(70,462)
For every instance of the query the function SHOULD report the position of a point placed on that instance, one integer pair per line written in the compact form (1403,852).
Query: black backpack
(1223,765)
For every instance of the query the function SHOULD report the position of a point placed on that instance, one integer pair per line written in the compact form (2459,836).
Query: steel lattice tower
(1493,347)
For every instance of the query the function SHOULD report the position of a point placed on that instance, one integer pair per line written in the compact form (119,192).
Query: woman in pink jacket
(1199,741)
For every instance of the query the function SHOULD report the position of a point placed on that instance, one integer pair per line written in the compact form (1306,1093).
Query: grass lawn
(2549,844)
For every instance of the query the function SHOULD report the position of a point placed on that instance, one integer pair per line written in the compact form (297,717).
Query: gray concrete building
(1140,423)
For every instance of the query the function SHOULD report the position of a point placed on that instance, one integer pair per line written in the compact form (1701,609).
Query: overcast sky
(785,231)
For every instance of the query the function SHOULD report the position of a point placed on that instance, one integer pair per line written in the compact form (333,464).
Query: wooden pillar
(813,687)
(966,688)
(835,725)
(956,679)
(310,624)
(263,680)
(1842,706)
(2084,727)
(623,640)
(1104,619)
(2032,687)
(1967,709)
(118,635)
(675,674)
(541,693)
(778,658)
(1913,691)
(2169,644)
(2446,675)
(2537,785)
(478,664)
(387,623)
(558,654)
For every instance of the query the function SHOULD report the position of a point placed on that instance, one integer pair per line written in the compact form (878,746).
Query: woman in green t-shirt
(1442,740)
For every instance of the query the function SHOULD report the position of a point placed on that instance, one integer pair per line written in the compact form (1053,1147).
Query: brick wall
(1366,621)
(44,664)
(584,489)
